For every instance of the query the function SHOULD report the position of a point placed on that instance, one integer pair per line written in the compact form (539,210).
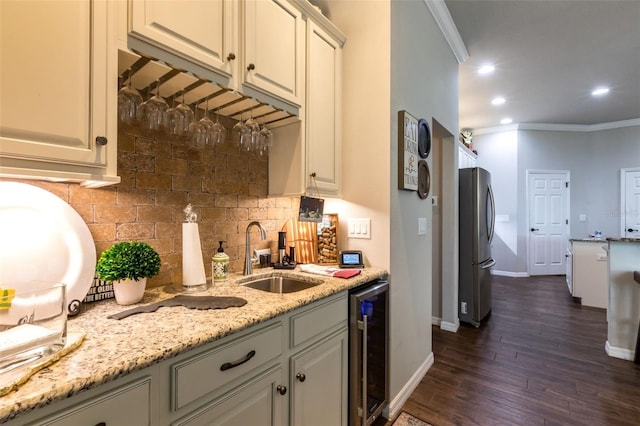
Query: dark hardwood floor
(538,359)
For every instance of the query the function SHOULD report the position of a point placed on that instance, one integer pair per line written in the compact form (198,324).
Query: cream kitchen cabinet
(589,273)
(253,46)
(466,157)
(274,49)
(58,91)
(307,157)
(203,33)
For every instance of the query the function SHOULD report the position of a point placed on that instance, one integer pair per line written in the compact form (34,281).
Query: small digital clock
(351,259)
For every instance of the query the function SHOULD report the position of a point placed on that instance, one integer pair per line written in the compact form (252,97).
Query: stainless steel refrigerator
(477,224)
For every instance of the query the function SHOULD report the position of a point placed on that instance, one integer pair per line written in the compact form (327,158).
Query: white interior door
(548,201)
(630,197)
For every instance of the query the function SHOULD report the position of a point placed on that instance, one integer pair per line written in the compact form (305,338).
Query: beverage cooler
(368,352)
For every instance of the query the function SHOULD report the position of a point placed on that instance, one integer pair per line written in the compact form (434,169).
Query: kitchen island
(623,313)
(115,349)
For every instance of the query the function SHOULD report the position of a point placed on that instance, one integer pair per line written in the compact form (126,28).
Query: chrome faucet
(248,267)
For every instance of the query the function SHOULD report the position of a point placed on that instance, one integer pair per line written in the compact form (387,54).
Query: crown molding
(443,18)
(559,127)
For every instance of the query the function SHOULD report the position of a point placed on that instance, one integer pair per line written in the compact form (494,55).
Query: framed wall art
(407,151)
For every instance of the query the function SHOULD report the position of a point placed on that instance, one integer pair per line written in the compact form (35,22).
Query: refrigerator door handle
(488,263)
(493,214)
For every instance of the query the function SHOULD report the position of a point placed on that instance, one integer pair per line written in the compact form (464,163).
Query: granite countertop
(589,240)
(624,239)
(113,348)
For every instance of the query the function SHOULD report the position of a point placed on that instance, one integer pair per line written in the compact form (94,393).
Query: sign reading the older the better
(407,151)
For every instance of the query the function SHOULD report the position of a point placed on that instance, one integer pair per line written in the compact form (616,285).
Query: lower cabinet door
(319,380)
(126,405)
(261,401)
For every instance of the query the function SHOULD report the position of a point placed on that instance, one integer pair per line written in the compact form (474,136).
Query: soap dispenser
(220,265)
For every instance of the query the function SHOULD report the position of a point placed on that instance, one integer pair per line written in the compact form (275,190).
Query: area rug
(406,419)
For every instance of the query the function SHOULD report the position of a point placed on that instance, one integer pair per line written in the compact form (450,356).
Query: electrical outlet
(256,255)
(463,307)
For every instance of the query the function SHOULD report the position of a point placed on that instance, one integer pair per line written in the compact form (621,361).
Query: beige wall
(227,188)
(395,59)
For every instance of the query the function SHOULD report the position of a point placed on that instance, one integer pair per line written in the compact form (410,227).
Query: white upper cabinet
(254,46)
(466,157)
(323,113)
(274,49)
(58,91)
(202,32)
(307,158)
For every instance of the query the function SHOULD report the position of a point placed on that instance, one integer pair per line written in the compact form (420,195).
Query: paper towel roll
(192,265)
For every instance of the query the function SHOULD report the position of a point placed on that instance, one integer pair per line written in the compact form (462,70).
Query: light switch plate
(422,226)
(359,228)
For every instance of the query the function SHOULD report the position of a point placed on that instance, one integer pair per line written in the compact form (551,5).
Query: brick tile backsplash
(227,188)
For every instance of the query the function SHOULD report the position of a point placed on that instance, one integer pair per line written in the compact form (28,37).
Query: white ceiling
(549,55)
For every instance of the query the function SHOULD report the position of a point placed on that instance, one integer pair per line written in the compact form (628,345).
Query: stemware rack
(149,75)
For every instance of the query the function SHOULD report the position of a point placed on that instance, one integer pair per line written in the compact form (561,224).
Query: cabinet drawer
(129,404)
(208,371)
(318,320)
(255,403)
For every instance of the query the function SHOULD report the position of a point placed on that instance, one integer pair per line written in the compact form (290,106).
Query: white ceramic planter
(128,292)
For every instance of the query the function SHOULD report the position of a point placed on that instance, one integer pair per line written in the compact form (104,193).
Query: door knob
(301,377)
(101,140)
(535,229)
(251,67)
(282,389)
(231,56)
(632,230)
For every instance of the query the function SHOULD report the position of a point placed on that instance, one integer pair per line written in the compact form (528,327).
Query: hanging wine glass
(265,140)
(129,100)
(178,119)
(173,120)
(207,126)
(254,129)
(153,111)
(218,131)
(197,133)
(242,135)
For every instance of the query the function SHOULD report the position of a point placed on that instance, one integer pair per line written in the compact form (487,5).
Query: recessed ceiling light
(506,120)
(600,91)
(499,100)
(486,69)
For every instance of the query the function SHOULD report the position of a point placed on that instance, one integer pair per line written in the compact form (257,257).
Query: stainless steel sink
(280,284)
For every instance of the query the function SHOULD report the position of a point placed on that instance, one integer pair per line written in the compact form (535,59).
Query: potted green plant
(128,265)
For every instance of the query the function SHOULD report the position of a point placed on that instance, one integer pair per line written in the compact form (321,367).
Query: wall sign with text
(407,151)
